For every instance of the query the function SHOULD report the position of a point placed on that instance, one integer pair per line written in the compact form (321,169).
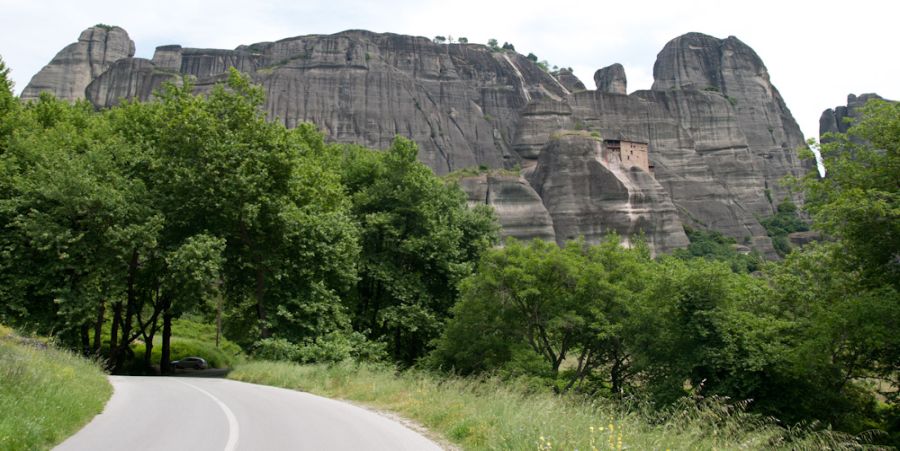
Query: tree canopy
(116,222)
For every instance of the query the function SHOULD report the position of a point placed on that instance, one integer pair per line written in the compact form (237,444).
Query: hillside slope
(45,394)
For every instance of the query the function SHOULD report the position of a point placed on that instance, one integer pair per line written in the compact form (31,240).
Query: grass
(491,414)
(46,394)
(192,337)
(187,347)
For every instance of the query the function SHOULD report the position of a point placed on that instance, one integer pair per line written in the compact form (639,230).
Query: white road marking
(233,431)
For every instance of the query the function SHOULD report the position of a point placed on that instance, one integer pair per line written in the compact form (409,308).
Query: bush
(331,348)
(713,245)
(784,222)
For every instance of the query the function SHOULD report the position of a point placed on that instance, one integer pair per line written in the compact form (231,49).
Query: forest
(117,224)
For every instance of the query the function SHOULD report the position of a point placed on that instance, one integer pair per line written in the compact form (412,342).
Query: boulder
(841,118)
(803,238)
(611,79)
(520,210)
(569,80)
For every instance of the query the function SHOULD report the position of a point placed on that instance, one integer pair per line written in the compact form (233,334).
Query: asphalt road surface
(199,414)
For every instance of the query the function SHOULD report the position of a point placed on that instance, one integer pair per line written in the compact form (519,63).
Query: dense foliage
(712,245)
(784,222)
(115,223)
(811,338)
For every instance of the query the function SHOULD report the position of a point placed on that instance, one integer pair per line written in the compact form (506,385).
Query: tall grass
(492,414)
(45,394)
(191,337)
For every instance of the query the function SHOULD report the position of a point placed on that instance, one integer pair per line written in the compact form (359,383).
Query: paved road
(197,414)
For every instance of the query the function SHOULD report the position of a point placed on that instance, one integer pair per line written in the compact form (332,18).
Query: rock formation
(75,66)
(611,79)
(128,78)
(718,134)
(839,119)
(731,68)
(520,209)
(589,197)
(569,80)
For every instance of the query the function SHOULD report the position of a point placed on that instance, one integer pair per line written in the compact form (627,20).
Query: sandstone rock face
(459,102)
(719,135)
(521,212)
(587,197)
(839,119)
(74,67)
(128,78)
(728,66)
(611,79)
(570,81)
(803,238)
(537,121)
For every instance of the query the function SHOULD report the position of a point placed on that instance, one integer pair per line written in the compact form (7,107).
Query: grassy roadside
(489,414)
(45,394)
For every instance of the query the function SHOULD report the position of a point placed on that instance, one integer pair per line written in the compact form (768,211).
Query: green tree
(273,195)
(703,327)
(9,106)
(843,333)
(858,201)
(785,221)
(712,245)
(65,202)
(530,308)
(193,272)
(418,240)
(845,292)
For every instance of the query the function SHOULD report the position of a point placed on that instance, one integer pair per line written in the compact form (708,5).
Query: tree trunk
(98,327)
(260,306)
(114,333)
(130,307)
(86,339)
(618,371)
(218,320)
(148,351)
(165,359)
(615,375)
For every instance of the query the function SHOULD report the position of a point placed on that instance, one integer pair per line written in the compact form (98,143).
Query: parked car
(196,363)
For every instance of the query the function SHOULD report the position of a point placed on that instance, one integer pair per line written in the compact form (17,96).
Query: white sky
(816,52)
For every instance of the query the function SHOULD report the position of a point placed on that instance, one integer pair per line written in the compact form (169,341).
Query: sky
(816,52)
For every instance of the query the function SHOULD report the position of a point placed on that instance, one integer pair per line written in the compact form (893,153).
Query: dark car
(196,363)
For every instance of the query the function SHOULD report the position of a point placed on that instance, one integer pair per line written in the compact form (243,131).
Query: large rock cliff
(719,135)
(588,196)
(74,67)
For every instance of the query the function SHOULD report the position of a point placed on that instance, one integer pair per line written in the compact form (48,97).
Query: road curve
(199,414)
